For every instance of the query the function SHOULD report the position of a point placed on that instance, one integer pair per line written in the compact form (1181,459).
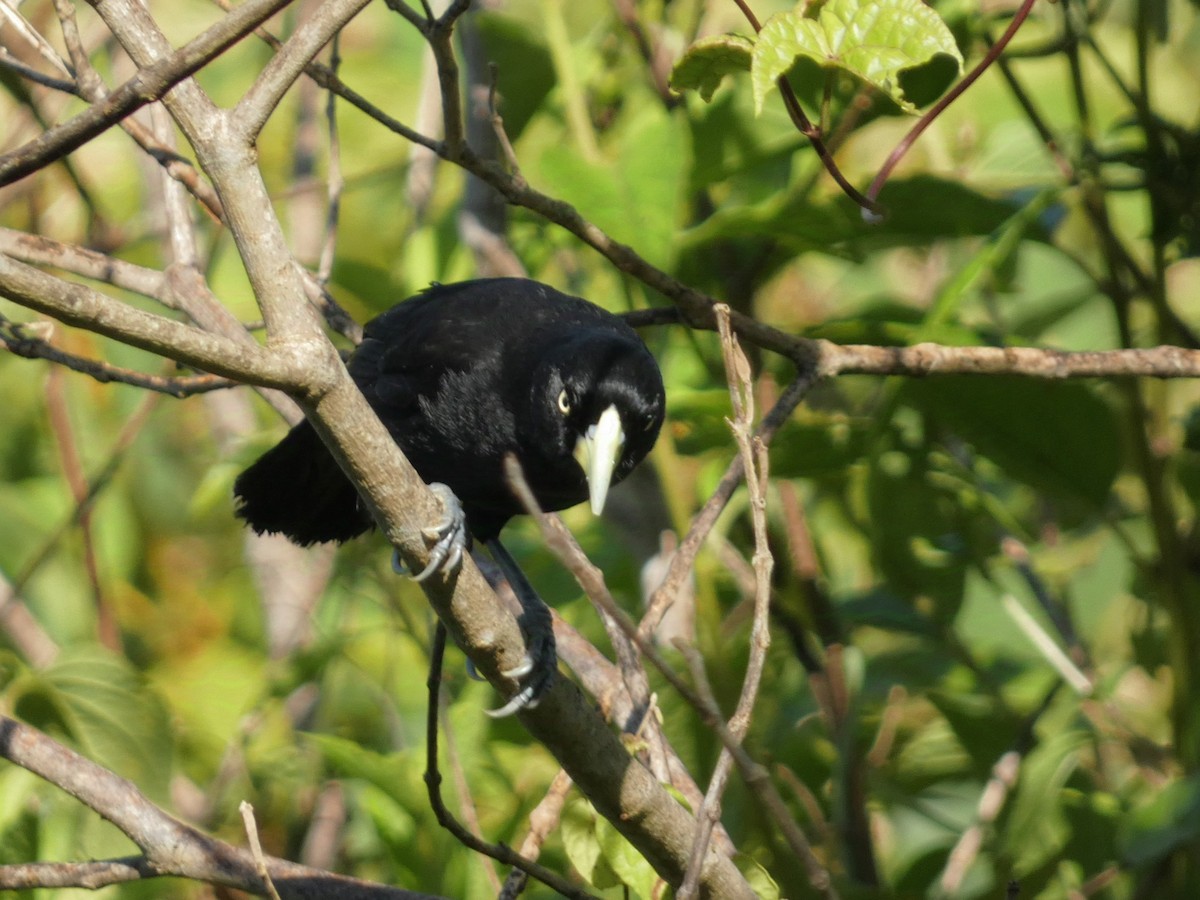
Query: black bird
(463,375)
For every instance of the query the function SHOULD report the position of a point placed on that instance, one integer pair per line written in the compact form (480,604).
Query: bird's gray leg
(540,665)
(449,536)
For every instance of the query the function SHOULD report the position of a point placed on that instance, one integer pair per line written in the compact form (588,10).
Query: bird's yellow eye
(564,404)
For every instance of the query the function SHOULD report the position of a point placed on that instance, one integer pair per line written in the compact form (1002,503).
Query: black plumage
(462,375)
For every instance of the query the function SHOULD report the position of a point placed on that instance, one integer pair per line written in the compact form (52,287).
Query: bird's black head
(598,404)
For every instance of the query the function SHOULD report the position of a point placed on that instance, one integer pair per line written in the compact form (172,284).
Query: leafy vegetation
(985,657)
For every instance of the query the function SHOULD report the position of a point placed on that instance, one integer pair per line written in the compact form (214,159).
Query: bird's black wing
(407,351)
(439,369)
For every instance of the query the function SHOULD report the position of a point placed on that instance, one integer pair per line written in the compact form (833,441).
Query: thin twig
(600,678)
(562,544)
(22,628)
(542,821)
(754,466)
(953,94)
(804,125)
(15,341)
(256,851)
(758,781)
(681,563)
(31,74)
(79,305)
(108,634)
(336,182)
(753,774)
(433,784)
(149,84)
(991,802)
(1046,645)
(35,39)
(466,802)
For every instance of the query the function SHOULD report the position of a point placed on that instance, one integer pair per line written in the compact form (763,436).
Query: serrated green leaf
(706,63)
(875,40)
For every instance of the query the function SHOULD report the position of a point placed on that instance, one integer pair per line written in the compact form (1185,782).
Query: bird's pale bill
(597,452)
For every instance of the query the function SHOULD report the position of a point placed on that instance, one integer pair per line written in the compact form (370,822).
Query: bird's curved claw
(449,536)
(536,671)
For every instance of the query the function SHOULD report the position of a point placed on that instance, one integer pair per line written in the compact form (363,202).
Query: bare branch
(82,306)
(760,784)
(336,181)
(9,12)
(11,62)
(19,344)
(560,541)
(169,846)
(1030,362)
(754,467)
(35,248)
(991,801)
(23,629)
(433,784)
(149,84)
(290,62)
(260,860)
(685,556)
(953,94)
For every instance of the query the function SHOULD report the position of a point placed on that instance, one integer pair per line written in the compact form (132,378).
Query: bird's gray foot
(449,537)
(535,673)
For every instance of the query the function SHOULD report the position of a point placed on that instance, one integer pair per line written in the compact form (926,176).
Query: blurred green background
(934,506)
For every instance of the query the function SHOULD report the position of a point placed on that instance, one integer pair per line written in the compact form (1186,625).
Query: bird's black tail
(297,489)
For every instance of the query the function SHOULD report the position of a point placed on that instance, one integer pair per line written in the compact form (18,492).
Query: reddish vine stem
(957,91)
(805,126)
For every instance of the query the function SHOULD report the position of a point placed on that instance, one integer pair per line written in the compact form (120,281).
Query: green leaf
(706,63)
(758,877)
(601,855)
(1170,821)
(106,710)
(1036,829)
(635,195)
(1059,437)
(579,839)
(982,724)
(629,865)
(875,40)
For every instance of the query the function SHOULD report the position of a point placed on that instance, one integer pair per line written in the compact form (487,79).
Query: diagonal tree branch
(289,63)
(169,846)
(82,306)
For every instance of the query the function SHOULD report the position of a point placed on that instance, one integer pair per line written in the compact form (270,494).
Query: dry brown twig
(991,801)
(602,680)
(256,851)
(755,471)
(289,368)
(558,540)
